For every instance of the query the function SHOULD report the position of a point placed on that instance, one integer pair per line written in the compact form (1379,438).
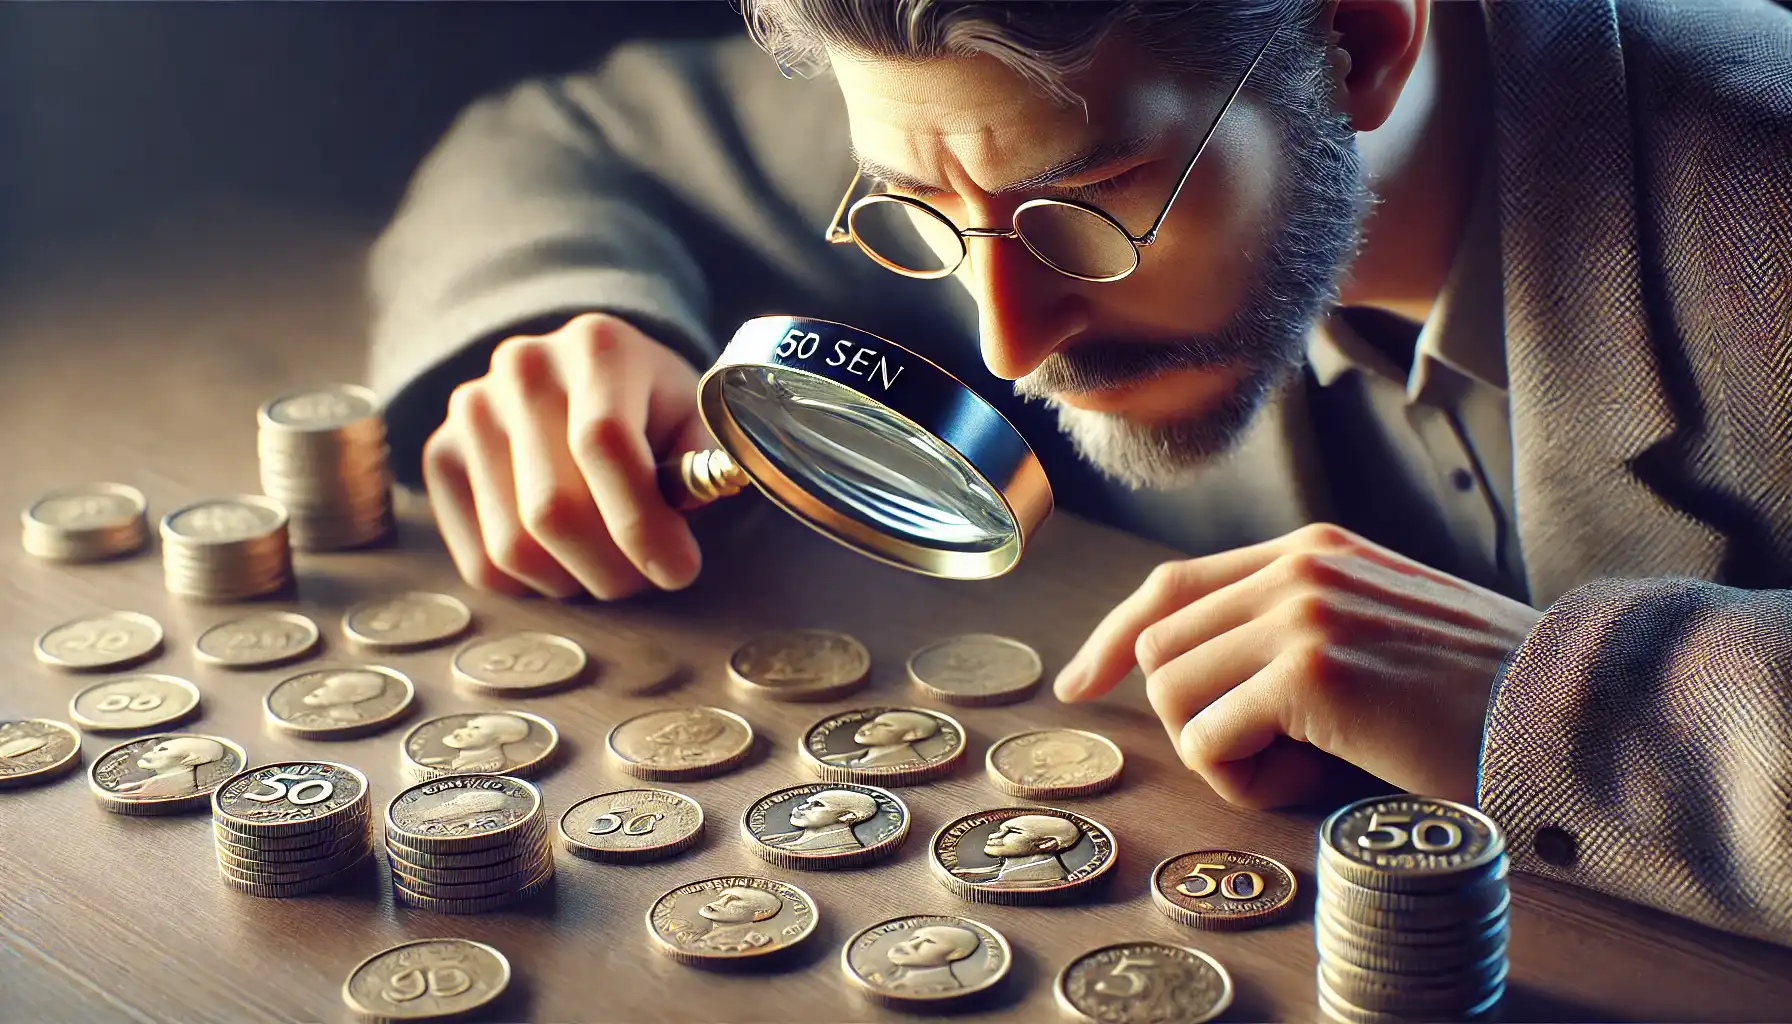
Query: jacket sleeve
(1639,743)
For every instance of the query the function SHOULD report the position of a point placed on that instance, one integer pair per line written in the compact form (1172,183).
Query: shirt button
(1554,846)
(1461,479)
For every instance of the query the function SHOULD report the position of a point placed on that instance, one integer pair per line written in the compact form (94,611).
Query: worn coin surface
(426,979)
(266,638)
(884,745)
(826,825)
(463,813)
(1020,855)
(290,797)
(1223,890)
(143,701)
(926,958)
(339,703)
(632,825)
(1145,983)
(1409,843)
(164,774)
(407,621)
(801,664)
(34,750)
(481,742)
(681,743)
(519,663)
(226,520)
(976,670)
(326,409)
(107,640)
(731,918)
(1052,764)
(86,523)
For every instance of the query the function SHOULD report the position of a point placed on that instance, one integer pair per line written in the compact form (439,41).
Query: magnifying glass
(870,444)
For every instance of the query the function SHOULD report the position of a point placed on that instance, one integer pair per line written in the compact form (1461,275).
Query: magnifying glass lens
(865,461)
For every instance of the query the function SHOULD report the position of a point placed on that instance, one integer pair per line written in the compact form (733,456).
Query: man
(923,961)
(888,739)
(1031,848)
(1488,303)
(174,767)
(826,820)
(336,697)
(733,914)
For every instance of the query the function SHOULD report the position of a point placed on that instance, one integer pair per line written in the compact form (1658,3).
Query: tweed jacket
(1639,742)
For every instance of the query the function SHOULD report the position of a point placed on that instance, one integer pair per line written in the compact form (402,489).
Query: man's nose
(1026,310)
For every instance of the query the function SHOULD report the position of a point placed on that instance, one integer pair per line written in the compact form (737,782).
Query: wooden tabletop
(142,360)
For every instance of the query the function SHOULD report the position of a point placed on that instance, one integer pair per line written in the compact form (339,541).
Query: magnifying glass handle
(698,478)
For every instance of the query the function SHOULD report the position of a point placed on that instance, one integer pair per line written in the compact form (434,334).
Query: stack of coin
(226,549)
(86,523)
(1411,918)
(467,844)
(323,456)
(292,828)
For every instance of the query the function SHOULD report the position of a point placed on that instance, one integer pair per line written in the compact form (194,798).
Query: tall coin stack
(86,523)
(226,549)
(466,844)
(292,828)
(1411,916)
(323,456)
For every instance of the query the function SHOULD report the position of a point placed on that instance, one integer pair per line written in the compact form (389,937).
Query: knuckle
(1319,673)
(600,334)
(605,438)
(468,402)
(1160,691)
(523,363)
(1327,536)
(1151,650)
(1305,567)
(553,516)
(1314,613)
(1167,579)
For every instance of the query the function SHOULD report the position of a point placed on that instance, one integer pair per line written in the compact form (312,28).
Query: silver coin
(463,812)
(325,409)
(164,774)
(976,670)
(100,506)
(1409,843)
(290,797)
(475,905)
(221,521)
(1054,764)
(282,890)
(143,701)
(681,743)
(34,750)
(481,743)
(884,745)
(929,959)
(105,641)
(1021,855)
(509,847)
(416,877)
(339,703)
(428,979)
(826,825)
(632,825)
(1145,983)
(266,638)
(407,621)
(519,663)
(733,918)
(246,849)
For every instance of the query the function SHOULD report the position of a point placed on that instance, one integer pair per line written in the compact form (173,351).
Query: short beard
(1320,207)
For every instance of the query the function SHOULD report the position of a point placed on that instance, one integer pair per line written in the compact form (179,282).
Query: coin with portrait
(164,774)
(407,621)
(929,959)
(1145,983)
(1021,855)
(266,638)
(1054,764)
(34,750)
(428,979)
(884,745)
(1223,890)
(730,919)
(826,825)
(481,742)
(519,663)
(631,825)
(976,670)
(134,702)
(681,743)
(464,814)
(96,642)
(801,664)
(339,703)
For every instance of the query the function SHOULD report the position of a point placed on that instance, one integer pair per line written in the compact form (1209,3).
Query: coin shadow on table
(1523,1003)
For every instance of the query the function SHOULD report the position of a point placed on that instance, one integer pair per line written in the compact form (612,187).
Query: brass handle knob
(699,478)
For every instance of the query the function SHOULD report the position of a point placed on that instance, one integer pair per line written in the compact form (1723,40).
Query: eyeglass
(1072,237)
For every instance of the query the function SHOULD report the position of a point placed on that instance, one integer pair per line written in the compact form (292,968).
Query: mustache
(1106,363)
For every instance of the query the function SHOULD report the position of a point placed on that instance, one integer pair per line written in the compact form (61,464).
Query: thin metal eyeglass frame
(838,235)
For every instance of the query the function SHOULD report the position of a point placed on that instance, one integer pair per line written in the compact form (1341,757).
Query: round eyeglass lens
(866,462)
(906,237)
(1076,241)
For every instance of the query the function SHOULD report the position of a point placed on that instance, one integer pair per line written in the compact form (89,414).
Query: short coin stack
(292,828)
(226,549)
(1411,918)
(323,456)
(466,844)
(86,523)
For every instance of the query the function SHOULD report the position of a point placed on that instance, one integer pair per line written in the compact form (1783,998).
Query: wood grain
(142,361)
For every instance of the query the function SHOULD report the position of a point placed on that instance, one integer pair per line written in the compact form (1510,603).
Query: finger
(1283,774)
(451,497)
(1188,684)
(493,480)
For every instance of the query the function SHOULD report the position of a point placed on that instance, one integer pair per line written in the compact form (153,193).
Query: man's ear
(1374,46)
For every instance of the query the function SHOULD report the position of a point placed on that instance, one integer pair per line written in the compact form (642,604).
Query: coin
(1223,890)
(226,520)
(519,662)
(34,750)
(325,409)
(108,640)
(227,549)
(976,670)
(416,876)
(164,774)
(526,843)
(1334,1008)
(339,703)
(928,959)
(267,638)
(730,919)
(357,867)
(230,844)
(470,886)
(462,812)
(632,825)
(1409,843)
(884,745)
(406,621)
(290,797)
(677,744)
(1021,855)
(1053,764)
(134,702)
(474,904)
(1416,910)
(826,825)
(481,742)
(1145,983)
(801,664)
(86,523)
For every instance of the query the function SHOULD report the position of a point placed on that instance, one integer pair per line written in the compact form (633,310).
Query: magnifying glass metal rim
(999,456)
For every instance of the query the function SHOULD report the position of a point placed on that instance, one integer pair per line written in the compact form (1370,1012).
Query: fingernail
(665,578)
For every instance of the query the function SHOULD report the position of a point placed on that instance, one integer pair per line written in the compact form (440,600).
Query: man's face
(880,732)
(161,758)
(472,735)
(1013,840)
(930,947)
(733,906)
(1157,372)
(815,813)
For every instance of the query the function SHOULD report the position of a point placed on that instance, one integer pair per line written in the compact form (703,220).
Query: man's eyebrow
(1101,155)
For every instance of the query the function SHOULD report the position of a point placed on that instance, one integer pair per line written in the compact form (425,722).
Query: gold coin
(519,663)
(339,703)
(481,742)
(1052,764)
(407,621)
(144,701)
(801,664)
(884,745)
(926,959)
(86,523)
(976,670)
(164,774)
(266,638)
(1144,983)
(632,825)
(465,813)
(106,641)
(677,744)
(1223,890)
(730,919)
(34,750)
